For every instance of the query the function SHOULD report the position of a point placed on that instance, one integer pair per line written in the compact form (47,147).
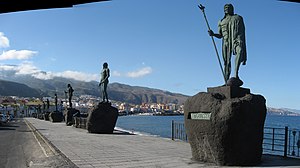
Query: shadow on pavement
(278,161)
(5,128)
(9,126)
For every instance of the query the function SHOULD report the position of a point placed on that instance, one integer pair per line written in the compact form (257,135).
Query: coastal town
(26,106)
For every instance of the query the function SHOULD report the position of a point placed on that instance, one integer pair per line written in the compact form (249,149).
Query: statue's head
(69,85)
(105,65)
(228,9)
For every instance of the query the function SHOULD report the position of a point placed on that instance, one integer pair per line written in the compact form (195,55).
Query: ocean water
(161,125)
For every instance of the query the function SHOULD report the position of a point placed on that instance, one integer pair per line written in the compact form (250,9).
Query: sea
(161,125)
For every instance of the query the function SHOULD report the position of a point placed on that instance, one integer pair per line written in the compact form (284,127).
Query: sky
(160,44)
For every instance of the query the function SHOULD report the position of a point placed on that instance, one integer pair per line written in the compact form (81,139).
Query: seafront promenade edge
(121,150)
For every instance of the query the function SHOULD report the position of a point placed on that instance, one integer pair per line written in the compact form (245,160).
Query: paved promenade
(121,150)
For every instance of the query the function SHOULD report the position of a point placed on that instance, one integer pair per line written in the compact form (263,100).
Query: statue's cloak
(236,36)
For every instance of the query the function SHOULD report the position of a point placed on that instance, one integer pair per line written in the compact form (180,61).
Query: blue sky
(160,44)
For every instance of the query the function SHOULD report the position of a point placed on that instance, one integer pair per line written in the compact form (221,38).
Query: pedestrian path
(121,150)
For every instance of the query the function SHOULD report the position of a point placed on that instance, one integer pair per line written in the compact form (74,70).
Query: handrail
(277,141)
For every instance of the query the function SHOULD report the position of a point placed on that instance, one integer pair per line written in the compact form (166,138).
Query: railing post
(273,138)
(294,142)
(285,141)
(172,129)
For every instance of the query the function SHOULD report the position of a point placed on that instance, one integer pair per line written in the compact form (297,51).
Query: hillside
(116,91)
(282,111)
(138,95)
(28,86)
(8,88)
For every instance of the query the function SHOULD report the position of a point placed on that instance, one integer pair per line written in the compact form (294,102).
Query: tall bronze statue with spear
(232,31)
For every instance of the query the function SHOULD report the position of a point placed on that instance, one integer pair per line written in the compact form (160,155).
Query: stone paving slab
(127,151)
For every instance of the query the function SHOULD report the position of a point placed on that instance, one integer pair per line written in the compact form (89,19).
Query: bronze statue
(44,106)
(48,104)
(70,94)
(104,82)
(55,99)
(232,32)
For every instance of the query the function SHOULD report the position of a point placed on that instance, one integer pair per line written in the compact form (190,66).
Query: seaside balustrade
(282,141)
(80,122)
(178,131)
(277,141)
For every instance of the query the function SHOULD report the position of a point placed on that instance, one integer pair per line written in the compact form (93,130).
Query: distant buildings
(20,106)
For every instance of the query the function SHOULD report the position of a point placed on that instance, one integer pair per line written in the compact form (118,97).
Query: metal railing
(277,141)
(80,122)
(282,141)
(178,131)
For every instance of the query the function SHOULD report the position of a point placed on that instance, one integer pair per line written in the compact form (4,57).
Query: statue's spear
(201,7)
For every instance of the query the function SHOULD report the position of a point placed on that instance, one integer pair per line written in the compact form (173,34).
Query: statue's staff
(201,7)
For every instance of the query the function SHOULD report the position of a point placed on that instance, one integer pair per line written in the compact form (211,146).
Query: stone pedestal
(56,116)
(69,114)
(229,91)
(225,126)
(102,119)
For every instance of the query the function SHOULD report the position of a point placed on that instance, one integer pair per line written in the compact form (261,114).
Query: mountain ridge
(116,91)
(28,86)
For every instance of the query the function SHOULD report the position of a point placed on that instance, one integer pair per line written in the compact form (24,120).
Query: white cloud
(14,54)
(139,73)
(27,68)
(78,76)
(116,73)
(7,67)
(4,42)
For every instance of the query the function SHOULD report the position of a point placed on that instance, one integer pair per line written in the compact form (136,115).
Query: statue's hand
(211,33)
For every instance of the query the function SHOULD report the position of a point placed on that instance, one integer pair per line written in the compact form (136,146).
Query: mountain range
(8,88)
(29,86)
(283,111)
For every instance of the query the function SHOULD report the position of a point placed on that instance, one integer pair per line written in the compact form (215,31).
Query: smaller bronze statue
(44,106)
(48,104)
(104,82)
(55,99)
(70,94)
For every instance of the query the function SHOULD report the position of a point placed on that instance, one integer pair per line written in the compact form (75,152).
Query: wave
(135,132)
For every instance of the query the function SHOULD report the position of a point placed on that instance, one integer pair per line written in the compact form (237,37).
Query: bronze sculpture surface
(104,82)
(232,31)
(70,94)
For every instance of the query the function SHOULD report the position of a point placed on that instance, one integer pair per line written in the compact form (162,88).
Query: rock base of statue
(225,126)
(69,114)
(56,116)
(46,116)
(102,119)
